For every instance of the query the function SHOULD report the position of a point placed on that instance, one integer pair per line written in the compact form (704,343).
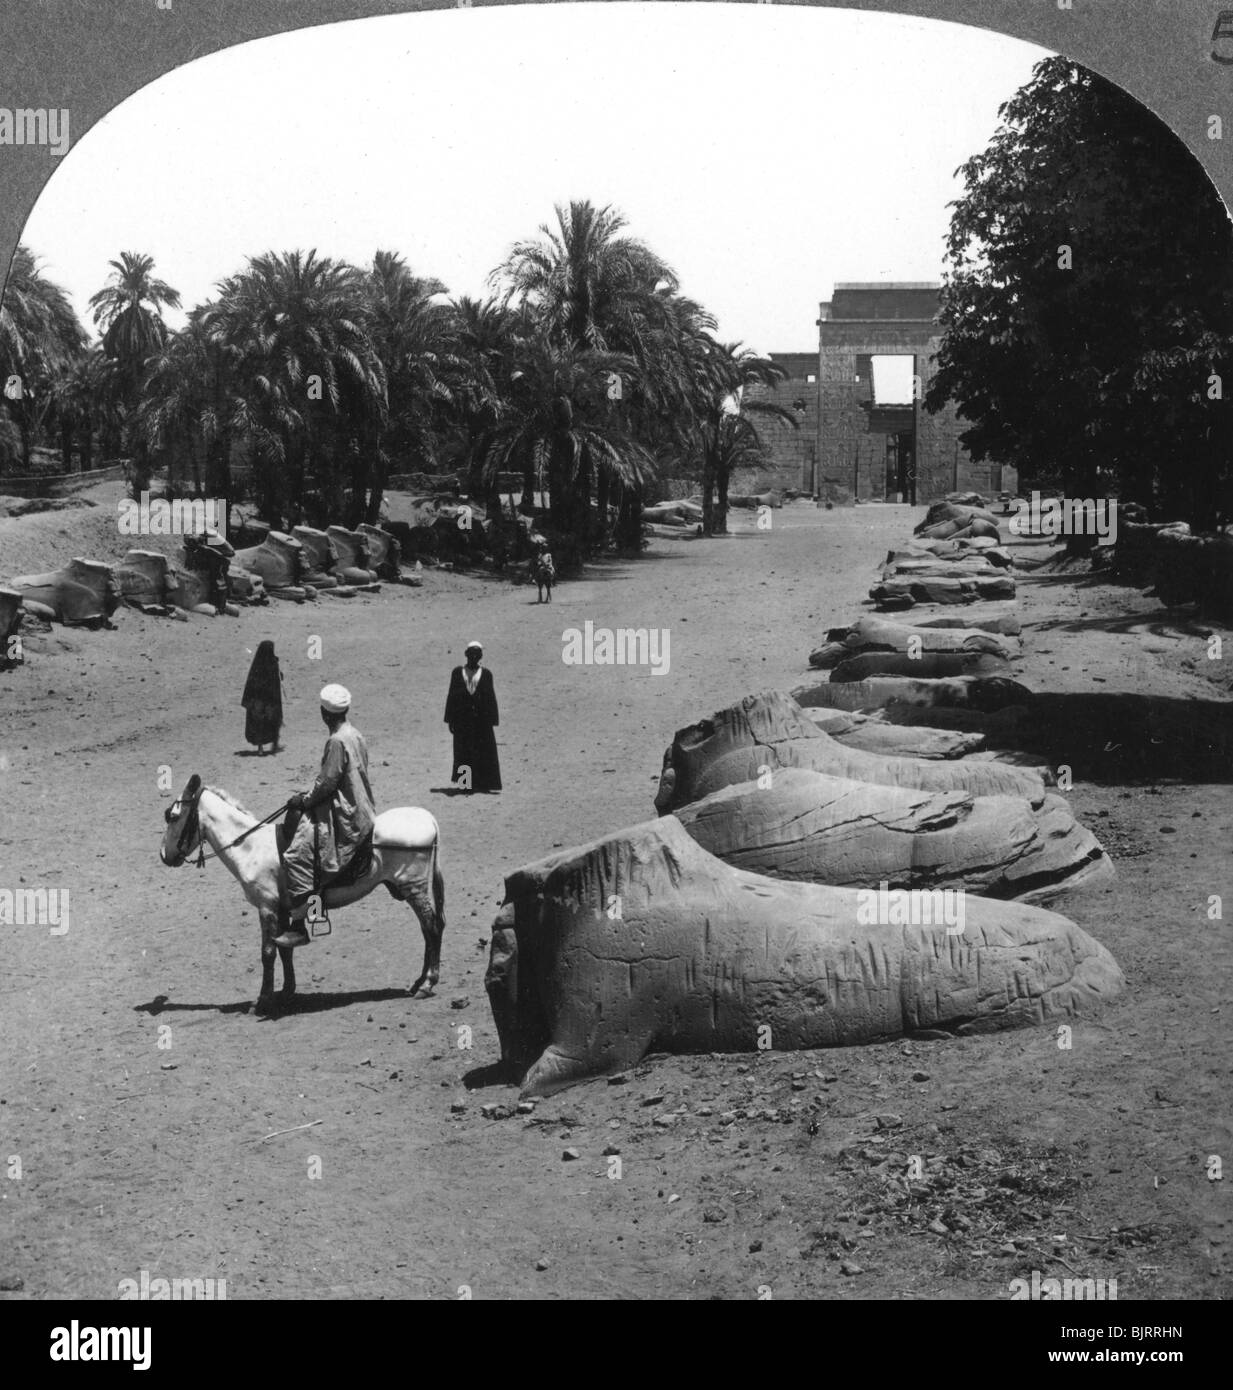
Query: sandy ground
(739,1175)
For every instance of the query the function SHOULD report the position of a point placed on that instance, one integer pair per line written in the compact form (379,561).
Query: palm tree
(40,338)
(311,380)
(127,312)
(554,426)
(726,437)
(85,397)
(586,285)
(492,337)
(189,402)
(434,381)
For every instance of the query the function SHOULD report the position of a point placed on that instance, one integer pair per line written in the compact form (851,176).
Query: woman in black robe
(471,713)
(263,699)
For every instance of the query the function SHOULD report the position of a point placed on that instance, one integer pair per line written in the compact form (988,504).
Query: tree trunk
(527,505)
(603,490)
(721,506)
(708,494)
(629,519)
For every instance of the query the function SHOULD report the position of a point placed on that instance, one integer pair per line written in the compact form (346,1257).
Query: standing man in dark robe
(335,818)
(263,699)
(471,713)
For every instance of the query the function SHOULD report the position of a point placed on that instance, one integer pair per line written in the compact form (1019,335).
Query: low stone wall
(58,484)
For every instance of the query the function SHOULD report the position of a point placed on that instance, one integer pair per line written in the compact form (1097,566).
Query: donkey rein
(215,854)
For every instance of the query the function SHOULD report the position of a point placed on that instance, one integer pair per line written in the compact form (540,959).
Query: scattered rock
(569,1155)
(714,1215)
(850,1267)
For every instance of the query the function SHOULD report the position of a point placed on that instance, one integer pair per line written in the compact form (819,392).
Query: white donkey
(404,858)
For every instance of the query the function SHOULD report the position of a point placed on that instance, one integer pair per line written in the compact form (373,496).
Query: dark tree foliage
(1111,375)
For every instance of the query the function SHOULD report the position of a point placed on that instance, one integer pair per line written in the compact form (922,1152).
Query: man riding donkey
(329,829)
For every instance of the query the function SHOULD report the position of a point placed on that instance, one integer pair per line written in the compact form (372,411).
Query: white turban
(472,647)
(336,699)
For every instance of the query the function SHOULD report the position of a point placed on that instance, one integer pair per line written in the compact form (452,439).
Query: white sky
(765,152)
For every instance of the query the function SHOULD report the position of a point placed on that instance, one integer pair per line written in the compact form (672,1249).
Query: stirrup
(294,936)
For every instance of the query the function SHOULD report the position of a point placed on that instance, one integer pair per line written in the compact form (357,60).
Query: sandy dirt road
(784,1167)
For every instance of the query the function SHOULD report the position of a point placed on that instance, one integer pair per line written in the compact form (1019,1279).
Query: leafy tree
(190,402)
(433,381)
(40,338)
(310,379)
(586,287)
(723,421)
(85,400)
(128,313)
(1109,369)
(554,425)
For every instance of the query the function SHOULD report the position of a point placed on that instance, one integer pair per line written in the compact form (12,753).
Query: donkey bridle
(192,828)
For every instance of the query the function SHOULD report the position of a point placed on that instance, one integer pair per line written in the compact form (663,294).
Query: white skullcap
(336,699)
(473,647)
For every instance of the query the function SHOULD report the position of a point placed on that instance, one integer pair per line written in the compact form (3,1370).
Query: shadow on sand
(303,1002)
(1111,737)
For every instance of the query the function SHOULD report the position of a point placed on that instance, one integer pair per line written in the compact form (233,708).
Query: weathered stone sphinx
(983,547)
(927,666)
(383,550)
(149,580)
(353,565)
(279,561)
(643,942)
(933,567)
(952,511)
(1001,619)
(10,621)
(959,528)
(205,557)
(82,593)
(819,829)
(904,591)
(319,558)
(680,513)
(878,635)
(770,730)
(875,735)
(142,579)
(962,694)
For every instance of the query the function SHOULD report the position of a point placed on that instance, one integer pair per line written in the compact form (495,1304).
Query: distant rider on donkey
(333,822)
